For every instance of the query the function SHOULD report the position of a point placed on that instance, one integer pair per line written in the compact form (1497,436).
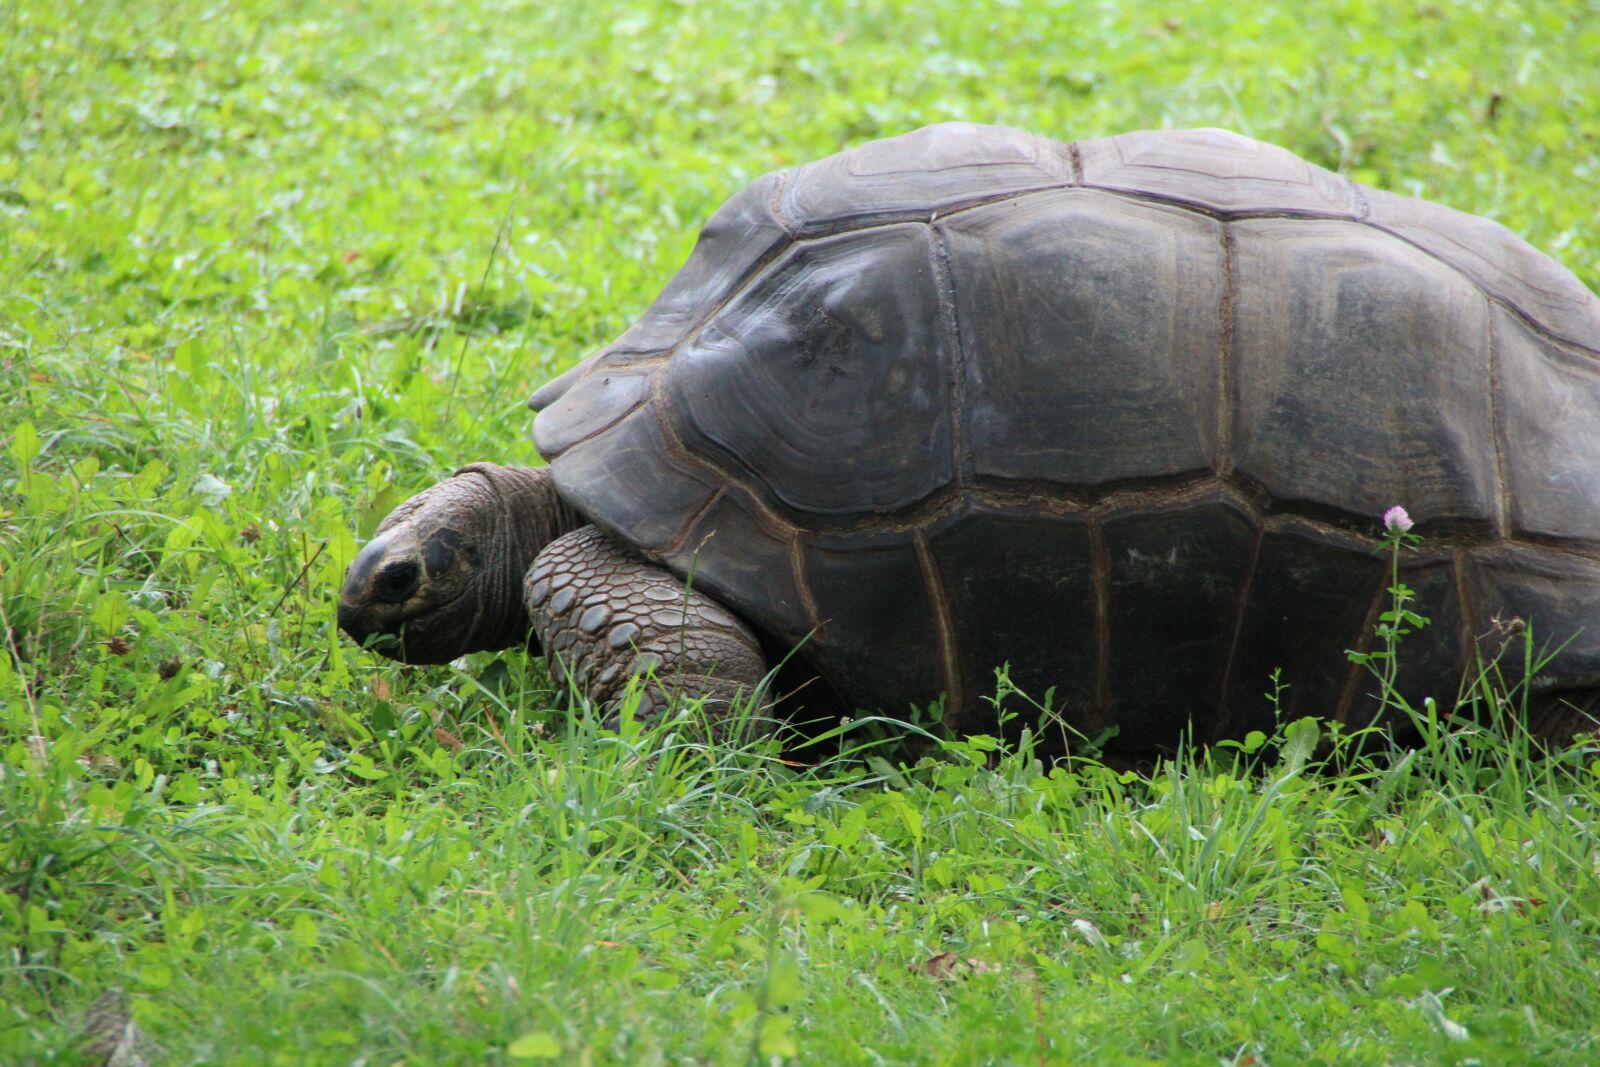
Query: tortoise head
(443,574)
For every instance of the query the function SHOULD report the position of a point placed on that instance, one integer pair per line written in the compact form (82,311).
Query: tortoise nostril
(350,621)
(397,581)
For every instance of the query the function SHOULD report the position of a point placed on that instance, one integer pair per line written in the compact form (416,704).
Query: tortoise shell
(1122,413)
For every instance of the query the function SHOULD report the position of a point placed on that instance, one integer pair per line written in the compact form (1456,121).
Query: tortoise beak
(384,574)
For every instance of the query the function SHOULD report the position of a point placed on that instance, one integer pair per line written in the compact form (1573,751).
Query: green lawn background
(269,267)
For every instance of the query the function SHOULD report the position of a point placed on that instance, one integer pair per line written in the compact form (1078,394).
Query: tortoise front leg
(604,615)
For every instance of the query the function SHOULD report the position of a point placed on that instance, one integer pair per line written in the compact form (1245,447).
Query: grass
(270,267)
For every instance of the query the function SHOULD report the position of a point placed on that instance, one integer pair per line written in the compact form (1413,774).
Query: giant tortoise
(1122,414)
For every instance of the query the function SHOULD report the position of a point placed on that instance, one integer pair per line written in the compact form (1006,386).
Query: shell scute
(1504,265)
(1217,170)
(827,383)
(1363,375)
(1173,577)
(1080,371)
(1549,405)
(630,479)
(919,175)
(1034,570)
(875,607)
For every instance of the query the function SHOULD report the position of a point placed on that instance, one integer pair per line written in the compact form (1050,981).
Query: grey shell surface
(1123,414)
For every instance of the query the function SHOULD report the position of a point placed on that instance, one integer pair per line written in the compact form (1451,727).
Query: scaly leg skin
(603,615)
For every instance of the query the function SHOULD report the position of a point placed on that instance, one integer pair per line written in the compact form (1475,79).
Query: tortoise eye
(397,581)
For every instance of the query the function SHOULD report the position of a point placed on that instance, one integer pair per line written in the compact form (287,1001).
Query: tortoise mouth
(370,635)
(409,637)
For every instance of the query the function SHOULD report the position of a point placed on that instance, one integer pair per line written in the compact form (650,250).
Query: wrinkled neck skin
(523,513)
